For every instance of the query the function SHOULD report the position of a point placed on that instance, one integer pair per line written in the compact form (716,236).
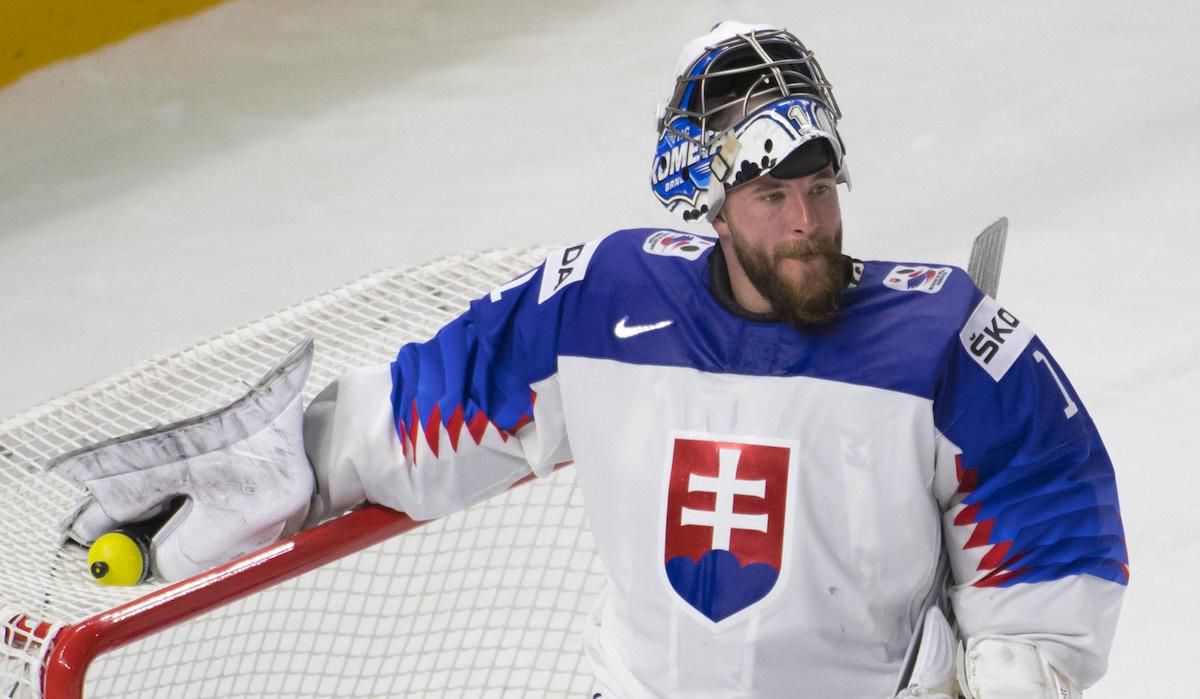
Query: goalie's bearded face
(786,240)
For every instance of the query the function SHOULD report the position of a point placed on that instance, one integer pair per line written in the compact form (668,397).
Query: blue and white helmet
(746,96)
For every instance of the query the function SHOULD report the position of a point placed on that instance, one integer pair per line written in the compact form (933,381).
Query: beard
(812,301)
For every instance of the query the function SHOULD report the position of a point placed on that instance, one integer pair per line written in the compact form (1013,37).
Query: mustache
(805,249)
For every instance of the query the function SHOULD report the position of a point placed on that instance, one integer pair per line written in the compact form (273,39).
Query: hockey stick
(987,256)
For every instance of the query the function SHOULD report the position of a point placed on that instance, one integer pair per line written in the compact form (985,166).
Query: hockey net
(489,600)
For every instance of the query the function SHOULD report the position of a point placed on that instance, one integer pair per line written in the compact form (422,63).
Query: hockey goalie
(807,474)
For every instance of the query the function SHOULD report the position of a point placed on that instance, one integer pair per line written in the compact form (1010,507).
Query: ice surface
(205,173)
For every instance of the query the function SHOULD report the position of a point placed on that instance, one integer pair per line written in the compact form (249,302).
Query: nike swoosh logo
(625,332)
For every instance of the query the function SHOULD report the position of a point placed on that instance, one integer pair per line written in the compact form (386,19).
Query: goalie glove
(241,472)
(1002,667)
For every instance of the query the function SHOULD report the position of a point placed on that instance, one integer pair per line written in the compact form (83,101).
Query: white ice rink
(218,168)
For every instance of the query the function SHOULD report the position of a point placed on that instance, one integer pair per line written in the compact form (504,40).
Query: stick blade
(987,256)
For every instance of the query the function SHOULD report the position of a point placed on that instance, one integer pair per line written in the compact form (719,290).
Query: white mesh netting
(485,601)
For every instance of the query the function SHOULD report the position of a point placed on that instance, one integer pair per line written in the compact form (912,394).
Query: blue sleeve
(1036,498)
(458,418)
(479,369)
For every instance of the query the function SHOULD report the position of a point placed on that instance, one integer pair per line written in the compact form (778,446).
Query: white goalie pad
(241,471)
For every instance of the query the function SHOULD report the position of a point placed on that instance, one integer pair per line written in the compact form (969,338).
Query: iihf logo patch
(676,244)
(726,523)
(917,278)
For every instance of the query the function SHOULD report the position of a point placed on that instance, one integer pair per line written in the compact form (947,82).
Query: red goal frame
(75,646)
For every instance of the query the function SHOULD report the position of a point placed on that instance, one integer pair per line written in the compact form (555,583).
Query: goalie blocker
(240,473)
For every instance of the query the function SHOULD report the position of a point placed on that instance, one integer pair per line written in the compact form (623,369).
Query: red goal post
(77,645)
(488,600)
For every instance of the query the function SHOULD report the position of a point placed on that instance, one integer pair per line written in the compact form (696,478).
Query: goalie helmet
(746,97)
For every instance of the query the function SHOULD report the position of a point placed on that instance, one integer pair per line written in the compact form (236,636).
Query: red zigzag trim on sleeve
(994,560)
(453,426)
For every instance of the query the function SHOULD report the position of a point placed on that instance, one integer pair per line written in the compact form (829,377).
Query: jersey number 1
(1071,408)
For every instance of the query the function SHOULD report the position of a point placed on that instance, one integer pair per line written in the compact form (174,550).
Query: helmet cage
(784,67)
(715,95)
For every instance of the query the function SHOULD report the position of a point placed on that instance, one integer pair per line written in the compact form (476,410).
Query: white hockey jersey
(772,507)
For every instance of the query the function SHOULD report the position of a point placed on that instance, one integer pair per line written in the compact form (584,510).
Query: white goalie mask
(746,97)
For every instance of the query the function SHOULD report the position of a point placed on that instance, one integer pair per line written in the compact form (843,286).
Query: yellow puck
(116,558)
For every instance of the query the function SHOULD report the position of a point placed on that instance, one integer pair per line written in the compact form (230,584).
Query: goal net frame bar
(75,646)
